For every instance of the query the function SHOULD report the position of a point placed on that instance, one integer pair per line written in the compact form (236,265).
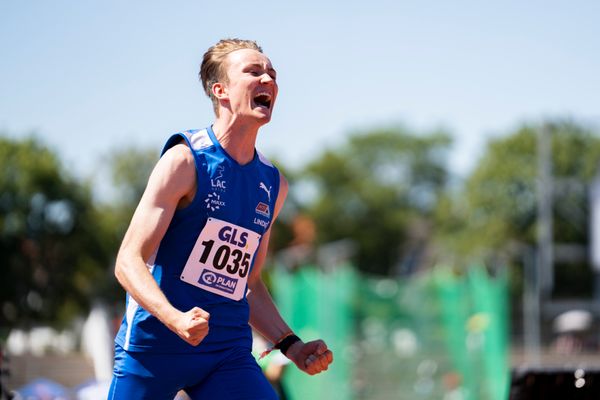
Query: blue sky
(92,76)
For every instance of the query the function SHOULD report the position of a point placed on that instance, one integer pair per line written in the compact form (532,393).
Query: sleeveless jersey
(208,250)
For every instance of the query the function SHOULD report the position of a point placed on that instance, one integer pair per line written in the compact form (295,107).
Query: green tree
(495,215)
(128,172)
(379,189)
(53,258)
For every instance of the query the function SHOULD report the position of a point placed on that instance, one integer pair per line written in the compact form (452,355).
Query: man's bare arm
(312,357)
(171,185)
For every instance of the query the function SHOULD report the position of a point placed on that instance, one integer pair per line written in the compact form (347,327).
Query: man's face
(251,88)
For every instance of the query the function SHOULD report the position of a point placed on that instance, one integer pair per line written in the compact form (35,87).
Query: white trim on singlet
(264,159)
(132,305)
(199,139)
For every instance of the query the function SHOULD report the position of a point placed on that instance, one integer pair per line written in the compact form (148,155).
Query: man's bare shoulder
(180,155)
(283,182)
(176,169)
(283,191)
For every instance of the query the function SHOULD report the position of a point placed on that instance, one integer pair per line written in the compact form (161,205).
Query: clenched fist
(191,326)
(312,357)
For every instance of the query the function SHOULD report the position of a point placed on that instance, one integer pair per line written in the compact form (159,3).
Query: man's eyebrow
(257,65)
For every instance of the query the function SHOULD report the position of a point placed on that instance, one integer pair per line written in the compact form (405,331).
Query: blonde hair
(212,68)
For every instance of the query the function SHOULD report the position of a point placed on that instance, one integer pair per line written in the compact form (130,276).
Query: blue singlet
(204,259)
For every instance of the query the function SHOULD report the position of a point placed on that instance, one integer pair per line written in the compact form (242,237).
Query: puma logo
(268,191)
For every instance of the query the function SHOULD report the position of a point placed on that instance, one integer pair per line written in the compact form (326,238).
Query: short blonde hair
(212,68)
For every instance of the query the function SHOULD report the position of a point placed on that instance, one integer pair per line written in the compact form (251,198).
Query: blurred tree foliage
(129,169)
(386,189)
(379,189)
(57,243)
(53,256)
(494,216)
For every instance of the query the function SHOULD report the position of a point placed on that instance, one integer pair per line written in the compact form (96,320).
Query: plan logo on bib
(209,278)
(221,282)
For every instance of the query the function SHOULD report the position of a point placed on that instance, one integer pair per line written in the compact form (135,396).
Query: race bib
(221,259)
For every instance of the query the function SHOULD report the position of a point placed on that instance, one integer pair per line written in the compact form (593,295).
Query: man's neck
(238,139)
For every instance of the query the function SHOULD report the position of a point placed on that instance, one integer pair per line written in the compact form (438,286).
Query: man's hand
(312,357)
(191,326)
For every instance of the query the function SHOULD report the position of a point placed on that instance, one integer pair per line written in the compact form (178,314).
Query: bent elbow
(120,269)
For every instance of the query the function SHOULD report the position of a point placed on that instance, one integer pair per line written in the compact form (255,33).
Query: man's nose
(267,78)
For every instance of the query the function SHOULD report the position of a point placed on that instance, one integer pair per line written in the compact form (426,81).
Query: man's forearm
(191,325)
(136,279)
(264,315)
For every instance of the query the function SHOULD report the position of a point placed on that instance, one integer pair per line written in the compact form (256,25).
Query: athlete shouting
(192,256)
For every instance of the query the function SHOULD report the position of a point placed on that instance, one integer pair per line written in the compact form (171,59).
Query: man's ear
(219,90)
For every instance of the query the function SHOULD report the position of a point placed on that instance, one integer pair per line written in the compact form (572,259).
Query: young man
(191,259)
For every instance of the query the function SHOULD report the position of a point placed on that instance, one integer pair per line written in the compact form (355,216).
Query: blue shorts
(226,375)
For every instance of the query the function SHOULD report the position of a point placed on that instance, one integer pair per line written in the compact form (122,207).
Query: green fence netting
(440,335)
(319,305)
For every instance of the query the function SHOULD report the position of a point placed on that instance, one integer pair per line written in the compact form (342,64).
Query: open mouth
(263,99)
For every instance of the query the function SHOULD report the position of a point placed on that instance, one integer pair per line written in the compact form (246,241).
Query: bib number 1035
(221,258)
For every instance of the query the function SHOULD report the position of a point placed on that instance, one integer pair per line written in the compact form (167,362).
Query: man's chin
(263,115)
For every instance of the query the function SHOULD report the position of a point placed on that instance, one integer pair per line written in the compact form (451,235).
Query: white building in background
(97,341)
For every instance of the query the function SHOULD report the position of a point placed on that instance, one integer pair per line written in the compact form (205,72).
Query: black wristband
(285,344)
